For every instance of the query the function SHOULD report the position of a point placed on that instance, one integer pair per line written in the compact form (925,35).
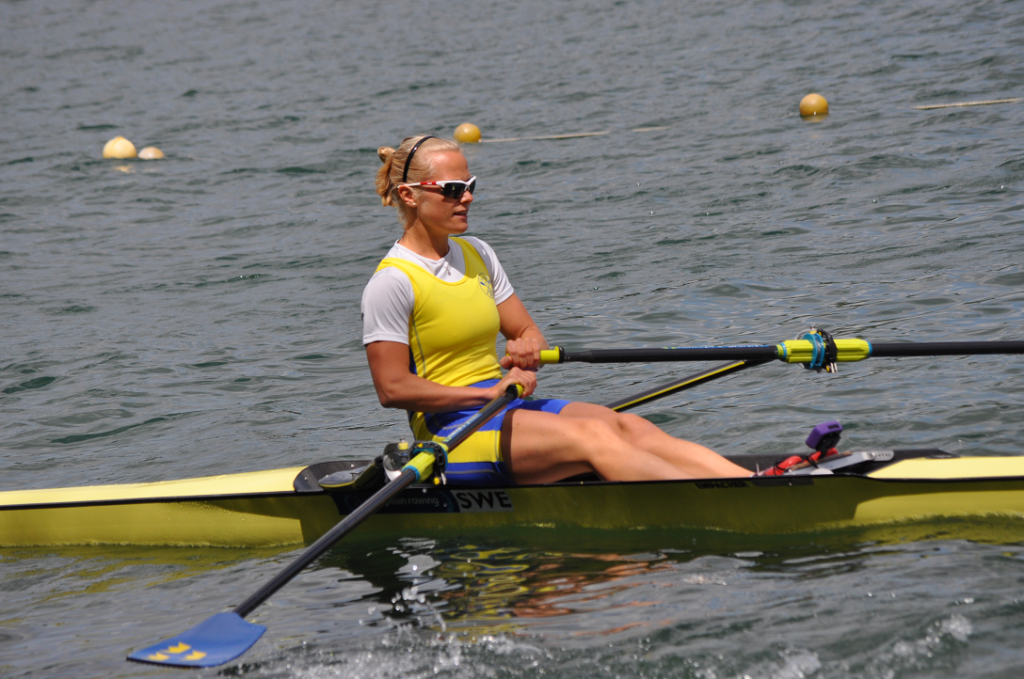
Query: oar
(678,385)
(225,636)
(791,351)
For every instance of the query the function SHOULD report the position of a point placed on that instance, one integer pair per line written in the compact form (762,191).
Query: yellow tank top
(454,326)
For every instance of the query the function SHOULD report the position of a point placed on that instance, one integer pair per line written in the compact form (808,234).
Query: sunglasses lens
(455,189)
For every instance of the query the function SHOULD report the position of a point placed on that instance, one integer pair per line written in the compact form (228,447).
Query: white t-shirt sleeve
(387,305)
(499,280)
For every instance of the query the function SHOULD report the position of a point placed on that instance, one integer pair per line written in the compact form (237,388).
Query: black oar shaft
(790,351)
(482,417)
(655,355)
(897,349)
(343,528)
(365,510)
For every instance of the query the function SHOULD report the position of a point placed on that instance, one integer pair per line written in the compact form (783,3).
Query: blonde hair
(389,176)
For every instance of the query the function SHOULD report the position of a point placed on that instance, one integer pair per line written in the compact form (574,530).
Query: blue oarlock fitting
(435,449)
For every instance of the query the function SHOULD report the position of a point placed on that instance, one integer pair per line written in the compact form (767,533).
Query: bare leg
(692,459)
(542,447)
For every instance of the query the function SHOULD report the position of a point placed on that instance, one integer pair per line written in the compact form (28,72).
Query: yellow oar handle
(802,351)
(548,356)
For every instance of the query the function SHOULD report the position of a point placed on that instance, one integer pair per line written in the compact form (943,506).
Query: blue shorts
(477,461)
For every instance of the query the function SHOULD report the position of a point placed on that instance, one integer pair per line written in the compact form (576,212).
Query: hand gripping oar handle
(225,636)
(790,351)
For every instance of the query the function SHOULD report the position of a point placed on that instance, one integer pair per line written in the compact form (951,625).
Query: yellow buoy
(151,153)
(119,148)
(467,133)
(813,105)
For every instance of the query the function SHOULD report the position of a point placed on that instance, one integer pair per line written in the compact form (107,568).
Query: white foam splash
(796,664)
(957,626)
(704,580)
(443,655)
(918,654)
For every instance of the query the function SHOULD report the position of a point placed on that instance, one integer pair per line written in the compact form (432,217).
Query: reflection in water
(507,588)
(506,584)
(490,589)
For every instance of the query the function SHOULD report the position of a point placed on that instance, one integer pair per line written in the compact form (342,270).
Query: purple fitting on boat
(824,436)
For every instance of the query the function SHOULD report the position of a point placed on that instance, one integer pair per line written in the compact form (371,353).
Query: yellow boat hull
(980,498)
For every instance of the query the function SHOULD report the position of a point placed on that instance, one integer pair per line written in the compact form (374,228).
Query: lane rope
(600,133)
(574,135)
(988,102)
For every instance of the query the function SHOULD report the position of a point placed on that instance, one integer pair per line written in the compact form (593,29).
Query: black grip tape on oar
(659,355)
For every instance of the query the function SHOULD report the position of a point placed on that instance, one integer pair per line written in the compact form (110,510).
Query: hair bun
(385,152)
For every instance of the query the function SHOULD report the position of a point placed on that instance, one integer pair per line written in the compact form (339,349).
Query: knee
(586,432)
(633,427)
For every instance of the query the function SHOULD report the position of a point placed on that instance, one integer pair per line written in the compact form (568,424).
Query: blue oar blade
(215,641)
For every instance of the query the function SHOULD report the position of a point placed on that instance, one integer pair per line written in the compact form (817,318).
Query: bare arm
(397,387)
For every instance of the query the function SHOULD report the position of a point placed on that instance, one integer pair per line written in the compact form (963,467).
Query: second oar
(225,636)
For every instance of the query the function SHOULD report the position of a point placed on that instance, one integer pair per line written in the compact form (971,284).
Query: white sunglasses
(450,188)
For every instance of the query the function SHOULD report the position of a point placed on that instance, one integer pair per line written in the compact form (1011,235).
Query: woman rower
(431,315)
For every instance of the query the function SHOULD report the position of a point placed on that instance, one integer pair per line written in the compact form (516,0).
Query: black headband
(408,158)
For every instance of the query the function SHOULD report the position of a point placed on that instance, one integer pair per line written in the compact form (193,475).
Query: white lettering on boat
(482,500)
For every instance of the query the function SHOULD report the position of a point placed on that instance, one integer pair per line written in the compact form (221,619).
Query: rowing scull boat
(289,507)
